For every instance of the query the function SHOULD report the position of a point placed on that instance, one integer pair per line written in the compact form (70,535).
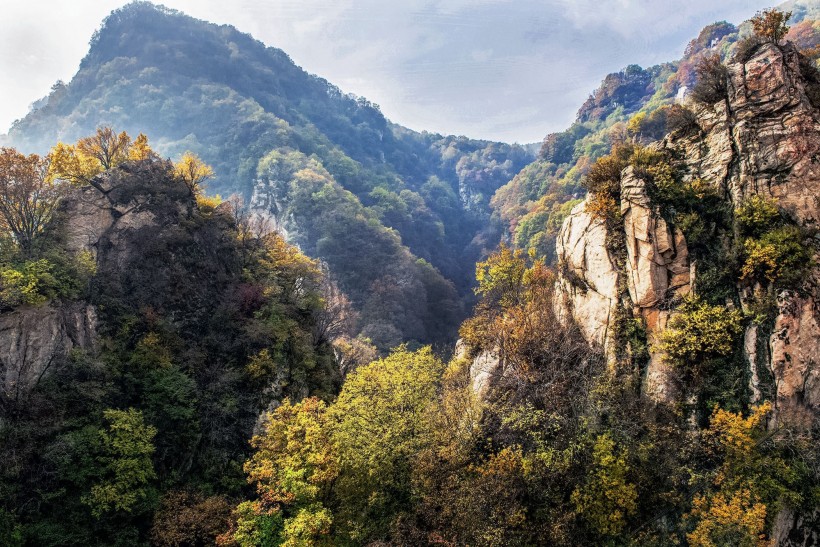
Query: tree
(107,147)
(81,162)
(292,468)
(380,422)
(770,24)
(193,171)
(127,447)
(28,195)
(712,80)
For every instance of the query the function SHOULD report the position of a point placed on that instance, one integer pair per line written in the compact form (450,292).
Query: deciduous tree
(28,195)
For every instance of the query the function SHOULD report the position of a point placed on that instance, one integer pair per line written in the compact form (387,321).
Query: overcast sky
(510,70)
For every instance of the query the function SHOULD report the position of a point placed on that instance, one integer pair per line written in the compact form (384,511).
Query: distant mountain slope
(629,105)
(191,85)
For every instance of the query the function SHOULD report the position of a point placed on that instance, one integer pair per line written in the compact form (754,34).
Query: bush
(698,332)
(712,80)
(779,257)
(746,48)
(757,215)
(682,121)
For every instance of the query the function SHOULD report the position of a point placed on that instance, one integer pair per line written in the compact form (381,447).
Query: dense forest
(636,310)
(407,197)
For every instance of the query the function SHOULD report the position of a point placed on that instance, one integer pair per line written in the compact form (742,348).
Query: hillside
(396,197)
(631,104)
(641,366)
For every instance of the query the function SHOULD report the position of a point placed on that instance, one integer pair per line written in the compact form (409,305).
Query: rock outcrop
(588,285)
(763,139)
(36,340)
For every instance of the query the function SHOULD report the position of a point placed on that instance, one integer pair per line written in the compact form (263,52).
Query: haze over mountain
(218,92)
(637,364)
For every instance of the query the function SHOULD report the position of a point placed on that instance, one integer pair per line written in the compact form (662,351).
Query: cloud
(501,69)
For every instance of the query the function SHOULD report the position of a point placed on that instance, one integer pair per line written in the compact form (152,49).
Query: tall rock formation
(762,139)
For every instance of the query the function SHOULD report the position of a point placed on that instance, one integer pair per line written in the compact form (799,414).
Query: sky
(508,70)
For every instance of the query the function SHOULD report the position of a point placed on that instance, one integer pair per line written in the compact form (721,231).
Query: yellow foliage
(81,162)
(193,171)
(738,519)
(140,149)
(68,163)
(734,435)
(107,147)
(208,204)
(607,498)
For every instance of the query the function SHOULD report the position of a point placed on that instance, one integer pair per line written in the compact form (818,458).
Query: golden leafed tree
(81,162)
(28,196)
(771,24)
(193,171)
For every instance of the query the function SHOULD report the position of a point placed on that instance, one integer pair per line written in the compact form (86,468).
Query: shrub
(29,283)
(746,48)
(699,331)
(779,257)
(712,80)
(757,215)
(604,183)
(682,121)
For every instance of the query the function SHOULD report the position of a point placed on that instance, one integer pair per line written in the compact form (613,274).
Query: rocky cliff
(762,139)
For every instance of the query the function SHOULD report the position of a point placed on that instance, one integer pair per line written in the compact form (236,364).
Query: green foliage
(779,257)
(757,215)
(381,422)
(127,447)
(607,497)
(185,307)
(699,331)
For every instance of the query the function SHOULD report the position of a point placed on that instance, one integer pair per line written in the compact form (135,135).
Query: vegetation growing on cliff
(202,321)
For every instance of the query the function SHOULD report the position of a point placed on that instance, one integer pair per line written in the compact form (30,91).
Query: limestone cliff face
(764,138)
(35,340)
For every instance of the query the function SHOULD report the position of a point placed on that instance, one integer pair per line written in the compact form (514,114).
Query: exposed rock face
(588,285)
(795,354)
(656,272)
(657,269)
(482,369)
(657,256)
(763,139)
(35,340)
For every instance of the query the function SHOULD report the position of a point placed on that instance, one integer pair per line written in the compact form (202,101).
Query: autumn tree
(292,469)
(81,162)
(28,195)
(770,24)
(193,171)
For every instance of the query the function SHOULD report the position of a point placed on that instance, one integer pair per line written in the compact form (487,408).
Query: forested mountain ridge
(631,104)
(657,386)
(218,92)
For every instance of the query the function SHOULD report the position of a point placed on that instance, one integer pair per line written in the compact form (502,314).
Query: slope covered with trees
(233,101)
(144,329)
(634,104)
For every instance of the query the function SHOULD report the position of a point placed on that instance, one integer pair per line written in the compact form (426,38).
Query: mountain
(383,196)
(630,104)
(172,372)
